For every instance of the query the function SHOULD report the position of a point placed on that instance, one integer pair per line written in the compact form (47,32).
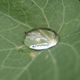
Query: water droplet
(41,38)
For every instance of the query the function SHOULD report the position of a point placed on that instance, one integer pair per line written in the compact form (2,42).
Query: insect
(41,38)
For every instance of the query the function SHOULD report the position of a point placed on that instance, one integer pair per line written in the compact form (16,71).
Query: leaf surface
(18,62)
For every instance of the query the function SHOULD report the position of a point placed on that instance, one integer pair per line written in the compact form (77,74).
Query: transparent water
(41,38)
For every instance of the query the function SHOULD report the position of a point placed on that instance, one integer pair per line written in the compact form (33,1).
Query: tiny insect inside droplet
(41,38)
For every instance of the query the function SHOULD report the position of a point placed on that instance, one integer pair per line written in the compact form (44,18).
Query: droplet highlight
(41,38)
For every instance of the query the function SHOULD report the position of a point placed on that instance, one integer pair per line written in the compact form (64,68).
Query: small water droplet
(41,38)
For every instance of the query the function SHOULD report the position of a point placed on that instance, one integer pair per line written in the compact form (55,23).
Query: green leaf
(18,62)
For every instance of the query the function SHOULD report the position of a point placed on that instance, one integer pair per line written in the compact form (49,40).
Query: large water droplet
(41,38)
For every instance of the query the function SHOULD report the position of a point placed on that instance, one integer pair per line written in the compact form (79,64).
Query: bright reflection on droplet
(41,38)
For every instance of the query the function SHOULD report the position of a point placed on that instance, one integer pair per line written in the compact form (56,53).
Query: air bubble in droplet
(41,38)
